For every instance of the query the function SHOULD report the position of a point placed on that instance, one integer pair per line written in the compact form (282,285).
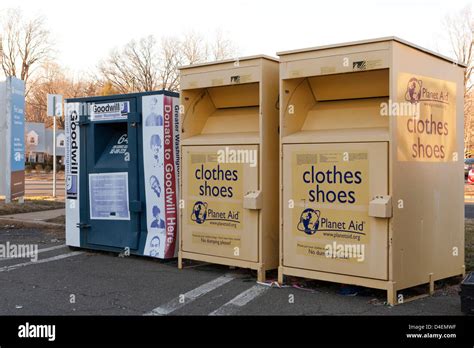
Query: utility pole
(55,109)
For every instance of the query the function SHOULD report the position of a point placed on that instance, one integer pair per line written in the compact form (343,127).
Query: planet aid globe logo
(309,221)
(199,214)
(224,217)
(413,93)
(416,92)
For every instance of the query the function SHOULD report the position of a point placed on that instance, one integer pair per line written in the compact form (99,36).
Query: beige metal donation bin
(229,176)
(372,165)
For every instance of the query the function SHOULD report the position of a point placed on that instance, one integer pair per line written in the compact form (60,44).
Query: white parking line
(39,252)
(190,296)
(54,258)
(240,300)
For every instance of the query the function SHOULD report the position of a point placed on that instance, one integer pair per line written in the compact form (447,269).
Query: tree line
(150,63)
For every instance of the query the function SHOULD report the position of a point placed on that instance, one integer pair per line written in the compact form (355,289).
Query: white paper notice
(108,196)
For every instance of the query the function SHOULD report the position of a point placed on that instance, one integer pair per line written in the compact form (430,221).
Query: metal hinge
(83,225)
(84,120)
(135,117)
(136,206)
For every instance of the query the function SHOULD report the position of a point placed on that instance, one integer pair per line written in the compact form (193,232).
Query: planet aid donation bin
(229,182)
(372,167)
(121,167)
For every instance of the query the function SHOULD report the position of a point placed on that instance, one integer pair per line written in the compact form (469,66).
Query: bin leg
(431,284)
(261,273)
(391,294)
(280,275)
(180,260)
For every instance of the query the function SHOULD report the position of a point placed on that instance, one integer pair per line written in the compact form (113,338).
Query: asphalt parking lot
(71,282)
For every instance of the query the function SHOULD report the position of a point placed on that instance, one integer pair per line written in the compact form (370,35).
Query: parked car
(470,177)
(468,165)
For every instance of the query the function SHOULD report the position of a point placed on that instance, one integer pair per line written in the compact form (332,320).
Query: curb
(31,222)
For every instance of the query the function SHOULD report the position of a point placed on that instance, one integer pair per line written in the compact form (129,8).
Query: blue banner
(17,100)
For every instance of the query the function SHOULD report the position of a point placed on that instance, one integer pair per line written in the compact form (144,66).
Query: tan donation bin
(229,176)
(372,165)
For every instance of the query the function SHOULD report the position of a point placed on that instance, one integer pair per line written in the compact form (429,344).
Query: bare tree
(53,79)
(460,29)
(194,49)
(25,44)
(9,42)
(147,65)
(222,48)
(134,67)
(170,60)
(144,59)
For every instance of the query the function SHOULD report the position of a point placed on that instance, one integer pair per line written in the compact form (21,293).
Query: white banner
(160,169)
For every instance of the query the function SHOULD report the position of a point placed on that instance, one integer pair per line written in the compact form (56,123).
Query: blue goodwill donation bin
(122,155)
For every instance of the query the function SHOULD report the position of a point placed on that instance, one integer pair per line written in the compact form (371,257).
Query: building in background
(39,143)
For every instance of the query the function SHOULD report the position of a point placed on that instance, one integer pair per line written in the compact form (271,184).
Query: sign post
(12,139)
(55,109)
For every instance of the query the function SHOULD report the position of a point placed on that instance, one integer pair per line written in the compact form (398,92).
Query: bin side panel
(427,229)
(72,168)
(269,166)
(160,118)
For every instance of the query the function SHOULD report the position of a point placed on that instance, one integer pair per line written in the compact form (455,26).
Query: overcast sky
(86,30)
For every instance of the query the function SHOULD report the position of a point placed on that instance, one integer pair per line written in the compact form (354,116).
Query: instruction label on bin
(215,201)
(330,193)
(429,135)
(108,196)
(215,198)
(355,254)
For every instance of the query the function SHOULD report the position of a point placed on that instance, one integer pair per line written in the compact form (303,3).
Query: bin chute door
(327,227)
(111,190)
(214,220)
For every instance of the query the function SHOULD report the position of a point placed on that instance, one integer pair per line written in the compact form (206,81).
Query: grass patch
(30,205)
(57,220)
(56,230)
(469,223)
